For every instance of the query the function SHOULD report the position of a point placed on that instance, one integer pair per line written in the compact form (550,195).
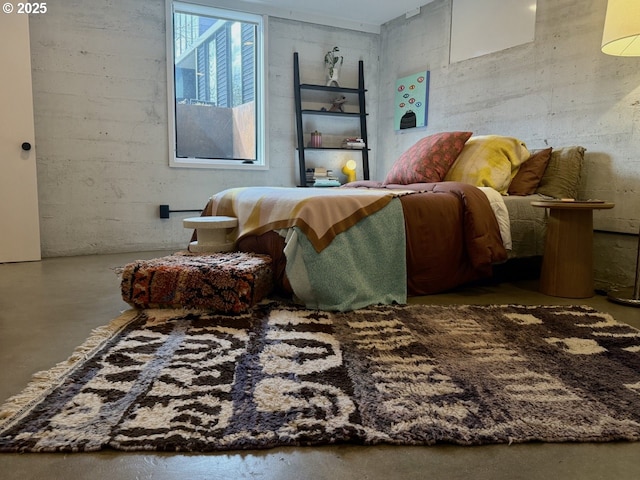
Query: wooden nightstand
(567,265)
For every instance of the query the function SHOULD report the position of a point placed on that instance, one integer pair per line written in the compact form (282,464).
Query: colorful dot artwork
(411,101)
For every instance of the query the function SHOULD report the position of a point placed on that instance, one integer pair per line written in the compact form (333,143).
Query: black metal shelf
(335,148)
(335,114)
(361,114)
(326,88)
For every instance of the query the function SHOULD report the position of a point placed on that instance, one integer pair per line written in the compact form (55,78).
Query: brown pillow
(562,176)
(428,160)
(531,171)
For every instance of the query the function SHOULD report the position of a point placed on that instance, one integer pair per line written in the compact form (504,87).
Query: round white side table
(212,233)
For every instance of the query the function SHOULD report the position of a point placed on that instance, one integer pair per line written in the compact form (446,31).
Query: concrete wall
(204,130)
(99,84)
(559,90)
(208,131)
(100,97)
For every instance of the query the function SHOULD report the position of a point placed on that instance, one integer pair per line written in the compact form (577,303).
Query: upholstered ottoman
(230,282)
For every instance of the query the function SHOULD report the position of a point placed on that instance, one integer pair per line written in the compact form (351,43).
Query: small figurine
(337,104)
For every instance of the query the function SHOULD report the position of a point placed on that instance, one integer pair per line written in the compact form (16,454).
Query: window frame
(205,7)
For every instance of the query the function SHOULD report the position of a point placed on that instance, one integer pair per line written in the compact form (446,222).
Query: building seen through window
(216,84)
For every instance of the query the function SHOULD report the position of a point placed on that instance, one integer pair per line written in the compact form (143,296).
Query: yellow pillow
(489,161)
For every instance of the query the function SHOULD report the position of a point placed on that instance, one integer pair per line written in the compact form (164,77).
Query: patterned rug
(176,380)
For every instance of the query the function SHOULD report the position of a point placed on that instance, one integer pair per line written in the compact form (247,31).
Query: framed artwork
(412,101)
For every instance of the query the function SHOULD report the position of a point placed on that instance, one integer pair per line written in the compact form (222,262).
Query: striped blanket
(321,214)
(330,266)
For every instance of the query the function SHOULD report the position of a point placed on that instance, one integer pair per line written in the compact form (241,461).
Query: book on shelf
(353,142)
(321,177)
(326,183)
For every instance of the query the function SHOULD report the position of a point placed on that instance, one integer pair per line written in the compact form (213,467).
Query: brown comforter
(452,237)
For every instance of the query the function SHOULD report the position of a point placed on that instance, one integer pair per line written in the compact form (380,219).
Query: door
(19,219)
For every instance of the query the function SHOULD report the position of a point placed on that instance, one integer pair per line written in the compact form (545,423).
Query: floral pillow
(428,160)
(489,161)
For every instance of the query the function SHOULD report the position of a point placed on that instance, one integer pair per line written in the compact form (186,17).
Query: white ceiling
(375,12)
(364,15)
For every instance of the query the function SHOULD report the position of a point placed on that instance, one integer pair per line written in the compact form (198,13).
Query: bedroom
(100,115)
(100,188)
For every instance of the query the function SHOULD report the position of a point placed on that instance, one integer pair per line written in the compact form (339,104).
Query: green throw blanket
(362,266)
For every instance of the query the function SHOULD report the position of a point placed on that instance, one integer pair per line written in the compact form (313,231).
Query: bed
(379,242)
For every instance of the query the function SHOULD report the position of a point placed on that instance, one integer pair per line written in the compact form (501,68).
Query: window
(216,87)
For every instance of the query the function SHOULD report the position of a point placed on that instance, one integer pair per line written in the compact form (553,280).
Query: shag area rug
(176,380)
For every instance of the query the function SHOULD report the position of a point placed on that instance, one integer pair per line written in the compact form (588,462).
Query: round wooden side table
(567,265)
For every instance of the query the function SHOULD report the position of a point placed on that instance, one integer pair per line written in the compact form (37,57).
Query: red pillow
(531,171)
(429,159)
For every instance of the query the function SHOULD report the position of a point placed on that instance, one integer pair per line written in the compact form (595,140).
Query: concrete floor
(47,308)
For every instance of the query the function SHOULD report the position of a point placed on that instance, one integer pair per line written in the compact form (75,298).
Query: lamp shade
(621,35)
